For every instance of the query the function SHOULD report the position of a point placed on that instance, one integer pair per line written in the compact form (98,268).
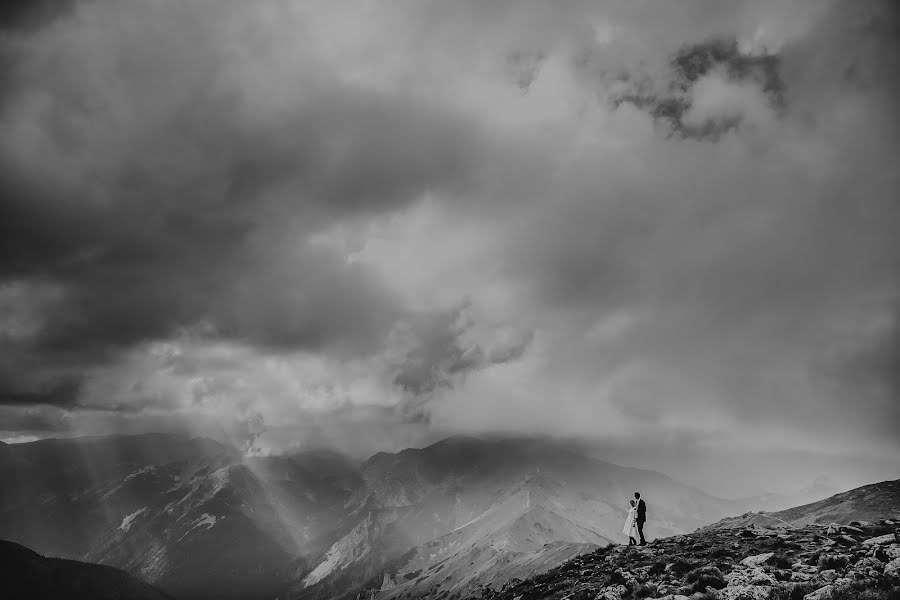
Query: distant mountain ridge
(199,520)
(869,502)
(819,488)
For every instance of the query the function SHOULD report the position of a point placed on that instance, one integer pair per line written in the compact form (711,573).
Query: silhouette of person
(640,517)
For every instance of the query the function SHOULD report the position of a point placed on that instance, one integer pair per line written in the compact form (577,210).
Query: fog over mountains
(198,519)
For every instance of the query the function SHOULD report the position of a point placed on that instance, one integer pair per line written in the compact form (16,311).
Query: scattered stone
(613,592)
(757,560)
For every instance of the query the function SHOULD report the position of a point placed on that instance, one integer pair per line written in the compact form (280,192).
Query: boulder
(851,529)
(833,528)
(745,577)
(892,569)
(881,539)
(823,593)
(867,564)
(746,592)
(613,592)
(892,551)
(828,575)
(757,560)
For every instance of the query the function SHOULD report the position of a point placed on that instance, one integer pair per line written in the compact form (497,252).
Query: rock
(746,592)
(892,569)
(850,529)
(823,593)
(673,597)
(801,577)
(881,539)
(613,592)
(757,560)
(892,551)
(867,564)
(745,577)
(828,575)
(833,528)
(626,576)
(804,567)
(846,540)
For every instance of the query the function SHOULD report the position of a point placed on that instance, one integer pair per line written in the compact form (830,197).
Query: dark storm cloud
(671,105)
(443,351)
(28,15)
(288,202)
(161,199)
(61,391)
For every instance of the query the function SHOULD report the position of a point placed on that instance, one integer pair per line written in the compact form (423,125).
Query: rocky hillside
(26,574)
(875,501)
(815,562)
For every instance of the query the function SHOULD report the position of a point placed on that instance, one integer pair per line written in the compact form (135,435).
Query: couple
(634,522)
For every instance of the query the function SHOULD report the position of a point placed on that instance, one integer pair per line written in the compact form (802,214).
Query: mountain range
(199,520)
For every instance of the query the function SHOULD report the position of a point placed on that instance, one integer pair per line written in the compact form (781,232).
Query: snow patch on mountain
(149,470)
(129,519)
(206,520)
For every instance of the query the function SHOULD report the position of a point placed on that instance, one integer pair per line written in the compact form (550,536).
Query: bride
(630,528)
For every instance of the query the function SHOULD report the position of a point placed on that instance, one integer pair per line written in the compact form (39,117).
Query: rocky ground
(859,561)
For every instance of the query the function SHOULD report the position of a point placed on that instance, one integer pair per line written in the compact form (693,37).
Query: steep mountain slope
(190,516)
(486,510)
(814,562)
(26,574)
(875,501)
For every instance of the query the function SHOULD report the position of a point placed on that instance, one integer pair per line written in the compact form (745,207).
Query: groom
(641,516)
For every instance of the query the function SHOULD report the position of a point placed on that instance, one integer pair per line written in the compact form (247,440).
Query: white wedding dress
(630,528)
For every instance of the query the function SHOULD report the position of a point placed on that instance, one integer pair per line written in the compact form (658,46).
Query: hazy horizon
(668,230)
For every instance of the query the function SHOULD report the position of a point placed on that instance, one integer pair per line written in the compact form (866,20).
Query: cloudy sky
(670,228)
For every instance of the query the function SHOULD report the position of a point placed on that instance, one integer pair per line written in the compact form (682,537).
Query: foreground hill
(26,574)
(814,562)
(875,501)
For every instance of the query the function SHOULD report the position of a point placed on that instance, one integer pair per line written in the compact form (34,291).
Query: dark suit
(641,518)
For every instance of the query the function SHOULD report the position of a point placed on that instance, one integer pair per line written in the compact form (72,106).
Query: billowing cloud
(617,220)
